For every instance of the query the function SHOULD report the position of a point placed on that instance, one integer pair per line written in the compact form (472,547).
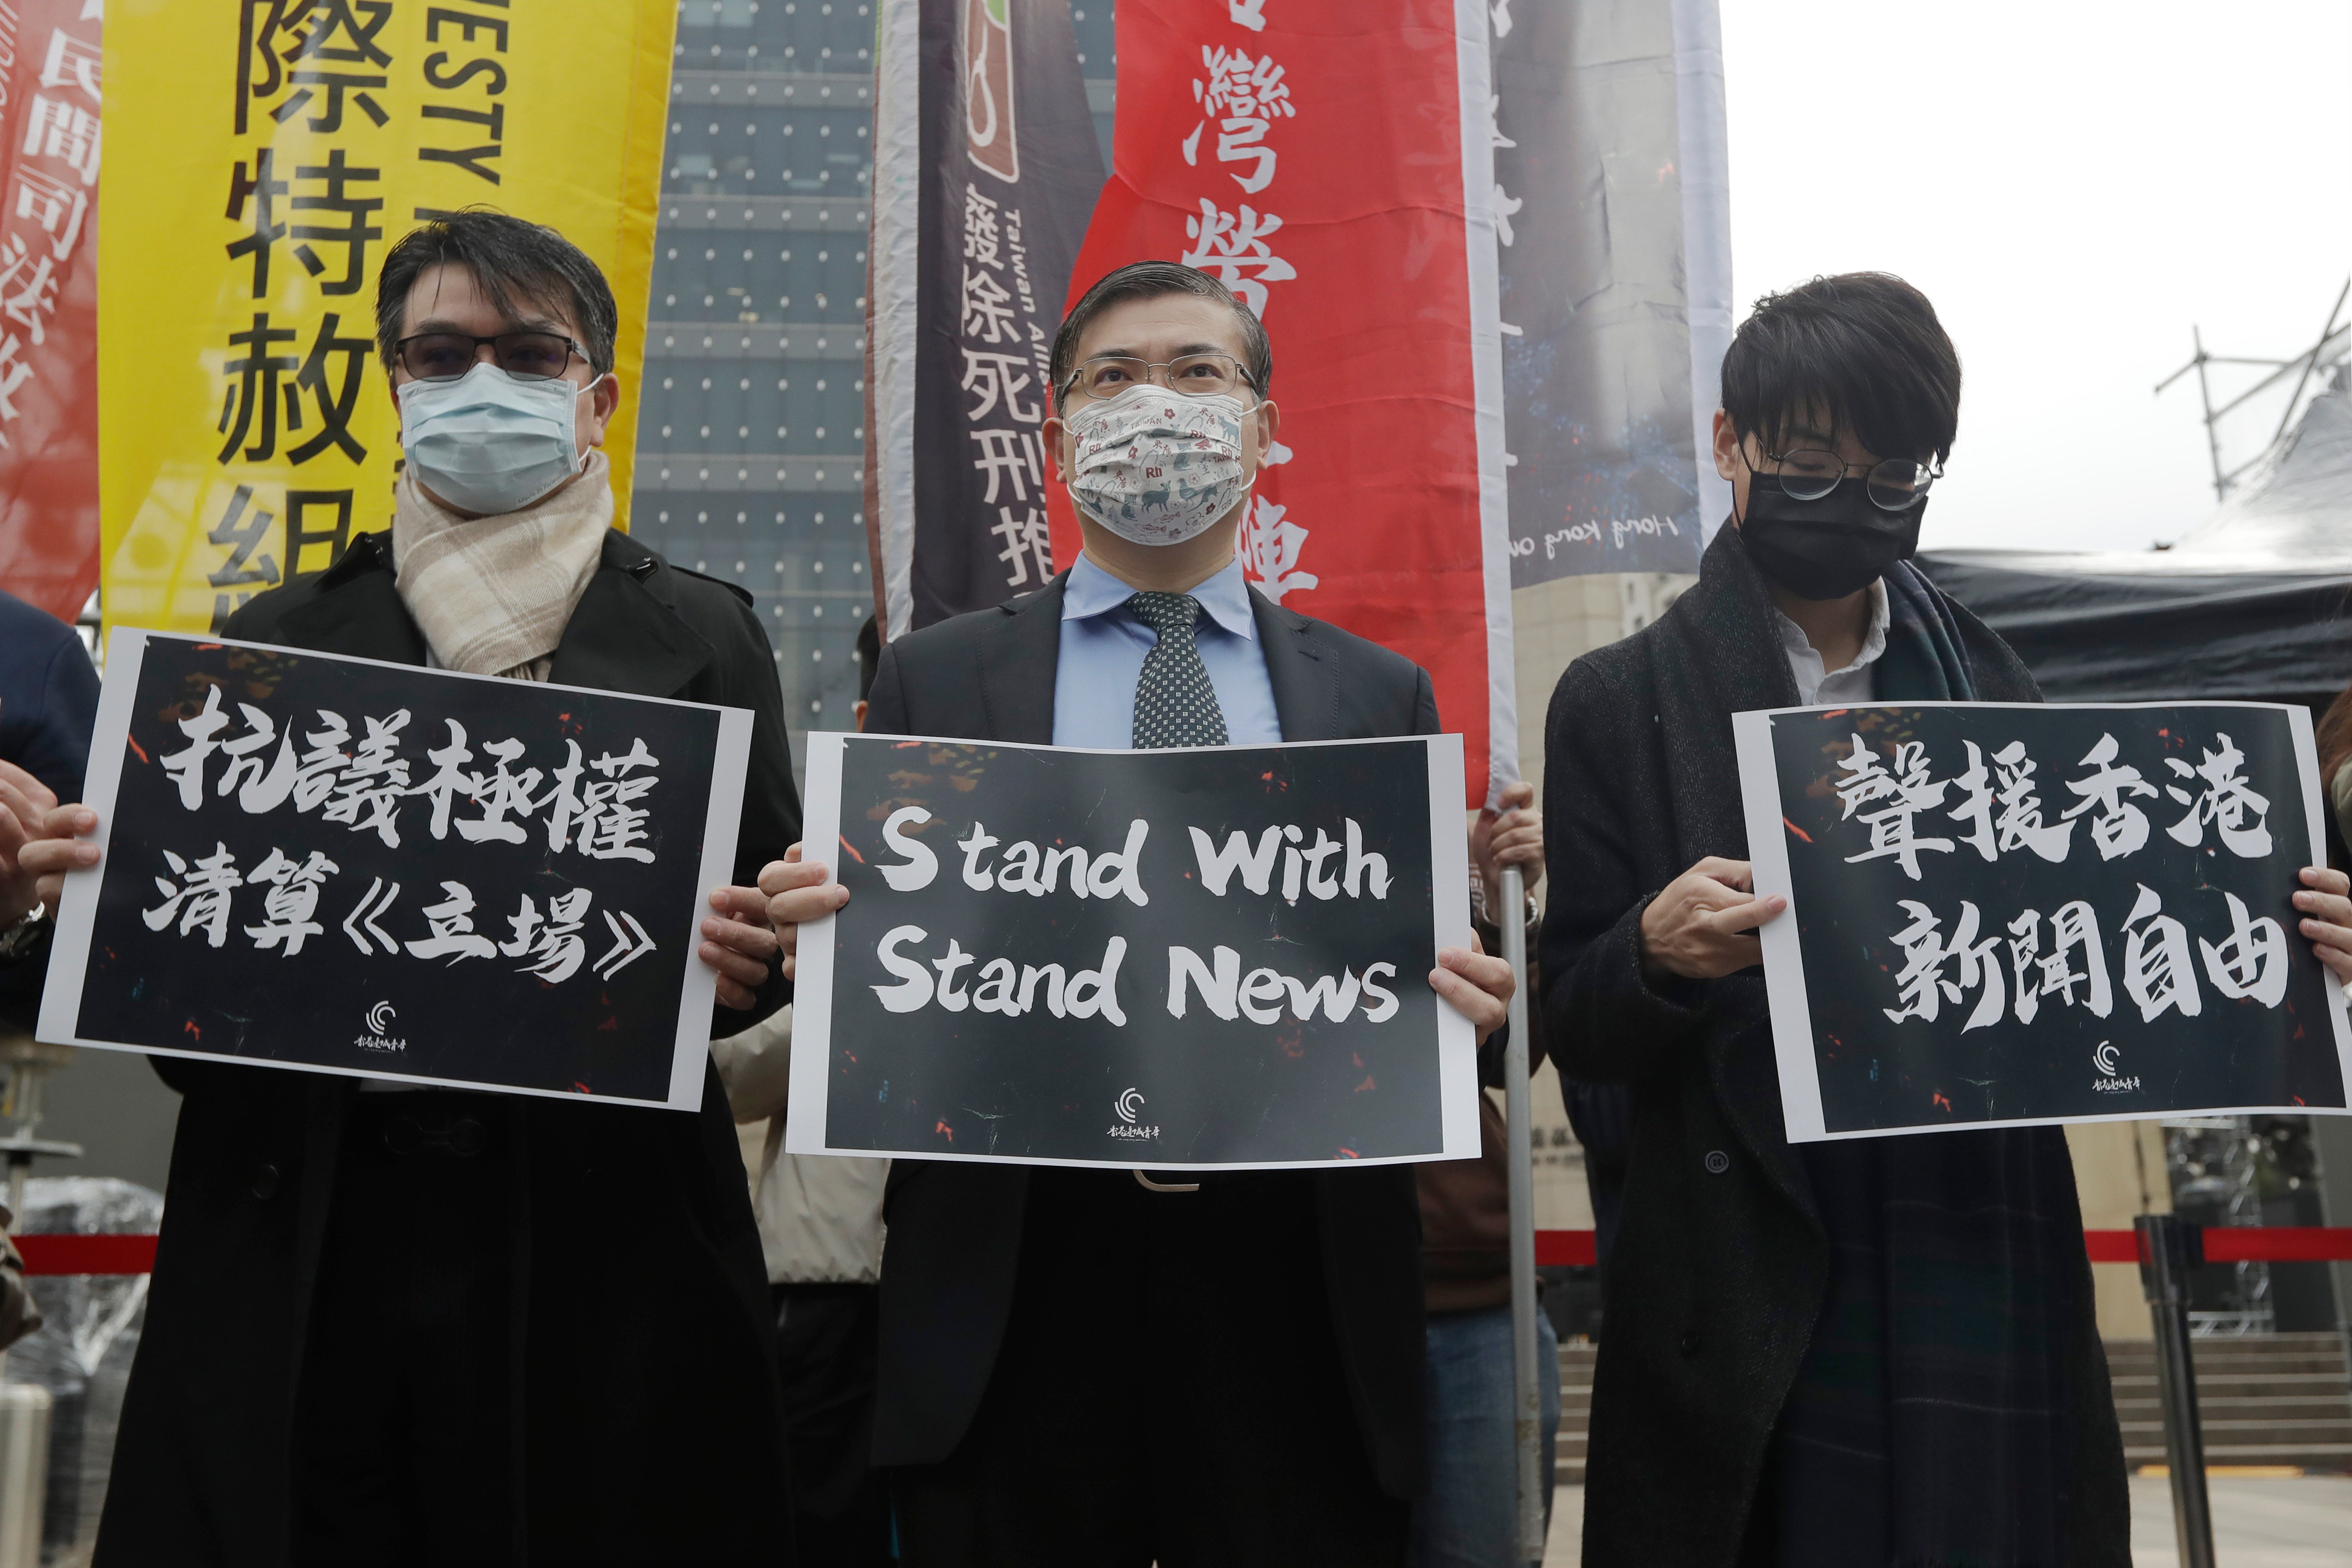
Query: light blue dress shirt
(1103,646)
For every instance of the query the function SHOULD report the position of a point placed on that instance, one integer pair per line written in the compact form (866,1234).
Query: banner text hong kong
(2020,913)
(344,866)
(1191,958)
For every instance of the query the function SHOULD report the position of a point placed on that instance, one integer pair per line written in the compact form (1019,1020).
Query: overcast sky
(2074,184)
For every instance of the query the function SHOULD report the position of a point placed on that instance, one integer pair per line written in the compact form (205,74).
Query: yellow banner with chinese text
(261,156)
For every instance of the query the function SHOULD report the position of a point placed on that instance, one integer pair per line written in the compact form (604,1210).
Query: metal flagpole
(2169,1249)
(1526,1401)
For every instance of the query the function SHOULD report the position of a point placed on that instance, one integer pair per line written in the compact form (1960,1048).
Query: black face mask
(1829,548)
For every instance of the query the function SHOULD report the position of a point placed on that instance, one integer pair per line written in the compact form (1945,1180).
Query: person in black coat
(437,1326)
(1863,1353)
(1080,1368)
(48,697)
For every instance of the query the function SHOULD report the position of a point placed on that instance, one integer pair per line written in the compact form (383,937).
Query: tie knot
(1166,613)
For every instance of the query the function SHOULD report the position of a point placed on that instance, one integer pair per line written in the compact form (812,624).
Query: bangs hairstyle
(1150,280)
(1863,348)
(517,265)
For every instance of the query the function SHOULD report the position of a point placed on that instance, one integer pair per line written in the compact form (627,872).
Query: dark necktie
(1175,705)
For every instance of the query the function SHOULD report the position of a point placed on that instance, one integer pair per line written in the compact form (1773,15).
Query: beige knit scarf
(492,594)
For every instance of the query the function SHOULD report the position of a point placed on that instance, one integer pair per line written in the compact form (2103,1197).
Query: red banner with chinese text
(1313,155)
(48,302)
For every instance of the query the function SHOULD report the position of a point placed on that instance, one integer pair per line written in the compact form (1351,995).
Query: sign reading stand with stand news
(344,866)
(1205,958)
(2015,914)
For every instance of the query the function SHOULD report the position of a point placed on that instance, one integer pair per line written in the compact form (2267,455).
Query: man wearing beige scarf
(436,1326)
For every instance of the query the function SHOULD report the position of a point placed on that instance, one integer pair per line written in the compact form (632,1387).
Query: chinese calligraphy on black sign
(2032,913)
(1174,958)
(328,863)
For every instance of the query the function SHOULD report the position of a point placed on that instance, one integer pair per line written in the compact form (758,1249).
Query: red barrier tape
(88,1253)
(2223,1244)
(1554,1248)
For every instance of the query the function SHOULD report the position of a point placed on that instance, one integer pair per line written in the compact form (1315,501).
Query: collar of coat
(1021,705)
(625,636)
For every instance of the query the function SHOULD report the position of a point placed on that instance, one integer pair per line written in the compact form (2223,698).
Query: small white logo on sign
(2104,1058)
(379,1029)
(1129,1106)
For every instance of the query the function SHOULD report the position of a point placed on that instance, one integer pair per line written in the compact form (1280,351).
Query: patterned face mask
(1155,467)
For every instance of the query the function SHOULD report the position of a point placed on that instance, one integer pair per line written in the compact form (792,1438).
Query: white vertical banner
(894,313)
(1700,128)
(1483,256)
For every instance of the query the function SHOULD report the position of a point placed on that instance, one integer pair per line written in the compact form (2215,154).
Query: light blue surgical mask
(488,443)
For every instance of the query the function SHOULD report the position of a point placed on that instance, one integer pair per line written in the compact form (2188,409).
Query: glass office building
(751,434)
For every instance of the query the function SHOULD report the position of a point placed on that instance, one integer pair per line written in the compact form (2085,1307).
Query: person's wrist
(17,936)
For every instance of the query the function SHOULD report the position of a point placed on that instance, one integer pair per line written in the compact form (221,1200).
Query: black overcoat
(644,1365)
(1716,1279)
(955,1227)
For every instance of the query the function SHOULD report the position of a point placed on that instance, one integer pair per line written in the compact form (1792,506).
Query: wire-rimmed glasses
(1808,474)
(1193,375)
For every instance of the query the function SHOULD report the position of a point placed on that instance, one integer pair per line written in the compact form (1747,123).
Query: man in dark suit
(1086,1367)
(392,1325)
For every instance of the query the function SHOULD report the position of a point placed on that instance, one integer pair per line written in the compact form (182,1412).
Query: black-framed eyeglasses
(526,356)
(1810,473)
(1193,375)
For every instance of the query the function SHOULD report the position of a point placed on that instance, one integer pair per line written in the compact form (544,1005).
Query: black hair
(869,653)
(1150,280)
(509,259)
(1864,349)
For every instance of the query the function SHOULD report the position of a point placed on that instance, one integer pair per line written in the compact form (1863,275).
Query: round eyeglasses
(1193,375)
(526,356)
(1808,474)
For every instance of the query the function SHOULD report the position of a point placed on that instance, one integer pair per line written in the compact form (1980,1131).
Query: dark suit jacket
(650,1427)
(49,699)
(1716,1279)
(955,1229)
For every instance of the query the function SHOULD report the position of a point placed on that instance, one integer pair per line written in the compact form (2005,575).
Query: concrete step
(2233,1385)
(2249,1347)
(2222,1434)
(2297,1362)
(2331,1412)
(2315,1353)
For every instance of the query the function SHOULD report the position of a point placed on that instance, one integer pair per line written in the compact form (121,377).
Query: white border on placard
(1449,849)
(729,764)
(812,964)
(1784,978)
(1784,966)
(1457,1047)
(126,649)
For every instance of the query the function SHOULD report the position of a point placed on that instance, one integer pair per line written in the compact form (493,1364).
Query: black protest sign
(351,866)
(1188,958)
(2008,914)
